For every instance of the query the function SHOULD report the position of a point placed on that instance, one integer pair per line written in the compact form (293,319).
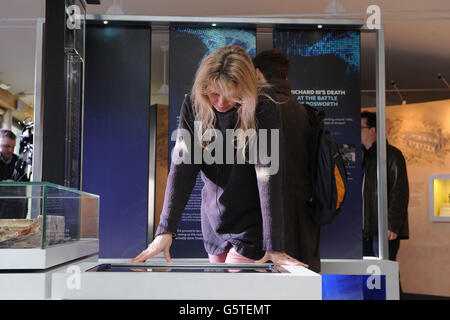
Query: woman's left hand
(280,258)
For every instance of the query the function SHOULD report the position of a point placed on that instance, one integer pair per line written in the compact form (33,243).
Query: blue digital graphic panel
(344,45)
(353,287)
(325,73)
(188,46)
(214,38)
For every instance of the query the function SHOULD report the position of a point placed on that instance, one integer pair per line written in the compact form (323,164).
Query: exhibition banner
(188,46)
(325,73)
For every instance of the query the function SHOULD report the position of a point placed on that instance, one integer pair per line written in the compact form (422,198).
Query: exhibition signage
(325,73)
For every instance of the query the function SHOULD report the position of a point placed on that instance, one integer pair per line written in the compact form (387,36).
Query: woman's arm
(268,172)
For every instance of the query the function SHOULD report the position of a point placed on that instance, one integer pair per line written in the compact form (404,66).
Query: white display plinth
(40,259)
(299,284)
(31,285)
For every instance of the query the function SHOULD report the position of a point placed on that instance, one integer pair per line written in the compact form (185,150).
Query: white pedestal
(299,284)
(40,259)
(31,285)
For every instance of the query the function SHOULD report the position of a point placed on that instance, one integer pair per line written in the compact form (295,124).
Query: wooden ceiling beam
(9,101)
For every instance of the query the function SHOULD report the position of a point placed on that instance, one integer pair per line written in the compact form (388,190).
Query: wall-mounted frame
(439,197)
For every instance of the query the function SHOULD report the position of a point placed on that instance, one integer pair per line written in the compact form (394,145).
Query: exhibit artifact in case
(42,214)
(27,233)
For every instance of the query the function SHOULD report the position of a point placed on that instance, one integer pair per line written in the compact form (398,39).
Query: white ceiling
(416,33)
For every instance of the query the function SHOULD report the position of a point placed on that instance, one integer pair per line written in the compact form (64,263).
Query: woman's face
(220,102)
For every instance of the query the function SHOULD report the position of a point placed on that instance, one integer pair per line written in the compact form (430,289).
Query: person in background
(241,209)
(397,192)
(301,239)
(7,157)
(10,208)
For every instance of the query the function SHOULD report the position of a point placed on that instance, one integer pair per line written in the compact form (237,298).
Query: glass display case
(42,215)
(439,197)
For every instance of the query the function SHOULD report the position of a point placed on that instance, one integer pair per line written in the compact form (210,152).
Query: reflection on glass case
(42,214)
(439,195)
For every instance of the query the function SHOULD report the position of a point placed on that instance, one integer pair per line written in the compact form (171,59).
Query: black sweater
(238,209)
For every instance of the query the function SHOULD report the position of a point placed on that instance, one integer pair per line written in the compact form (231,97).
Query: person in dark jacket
(10,208)
(397,191)
(241,209)
(301,233)
(7,157)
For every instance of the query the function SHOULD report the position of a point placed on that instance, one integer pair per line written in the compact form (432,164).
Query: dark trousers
(370,249)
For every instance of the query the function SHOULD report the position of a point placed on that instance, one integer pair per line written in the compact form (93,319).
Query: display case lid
(46,184)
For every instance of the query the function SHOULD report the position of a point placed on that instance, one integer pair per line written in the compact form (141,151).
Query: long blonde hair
(231,70)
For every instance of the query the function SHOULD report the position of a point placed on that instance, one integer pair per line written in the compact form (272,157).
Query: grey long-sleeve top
(241,204)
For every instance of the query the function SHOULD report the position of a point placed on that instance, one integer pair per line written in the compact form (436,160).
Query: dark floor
(413,296)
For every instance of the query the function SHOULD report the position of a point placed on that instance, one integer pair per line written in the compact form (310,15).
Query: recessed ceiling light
(105,22)
(214,24)
(319,26)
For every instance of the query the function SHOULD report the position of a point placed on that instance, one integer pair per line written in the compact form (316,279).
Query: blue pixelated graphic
(345,45)
(215,38)
(351,287)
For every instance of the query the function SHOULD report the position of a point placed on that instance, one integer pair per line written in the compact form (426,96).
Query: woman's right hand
(161,243)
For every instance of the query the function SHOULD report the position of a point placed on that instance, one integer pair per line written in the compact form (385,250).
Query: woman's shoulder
(187,115)
(187,106)
(187,99)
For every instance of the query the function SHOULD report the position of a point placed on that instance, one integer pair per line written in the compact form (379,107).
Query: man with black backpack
(301,232)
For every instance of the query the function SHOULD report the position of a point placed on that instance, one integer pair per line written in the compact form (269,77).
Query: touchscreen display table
(186,267)
(185,280)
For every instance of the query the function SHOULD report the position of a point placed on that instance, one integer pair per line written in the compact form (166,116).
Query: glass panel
(69,215)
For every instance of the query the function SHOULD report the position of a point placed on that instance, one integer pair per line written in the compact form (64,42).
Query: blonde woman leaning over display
(241,210)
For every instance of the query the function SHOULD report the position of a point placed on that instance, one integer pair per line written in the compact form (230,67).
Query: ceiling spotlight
(115,8)
(319,26)
(441,77)
(398,91)
(105,22)
(214,24)
(335,7)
